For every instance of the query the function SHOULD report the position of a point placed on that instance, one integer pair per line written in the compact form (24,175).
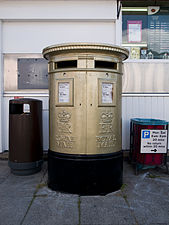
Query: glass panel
(146,33)
(158,34)
(139,22)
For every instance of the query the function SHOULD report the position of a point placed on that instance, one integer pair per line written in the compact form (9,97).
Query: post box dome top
(85,47)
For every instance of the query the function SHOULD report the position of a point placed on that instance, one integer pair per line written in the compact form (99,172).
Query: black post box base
(27,168)
(85,174)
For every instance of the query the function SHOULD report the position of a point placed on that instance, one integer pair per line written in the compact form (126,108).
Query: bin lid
(23,100)
(143,121)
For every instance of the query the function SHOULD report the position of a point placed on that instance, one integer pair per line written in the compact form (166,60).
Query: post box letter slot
(66,64)
(105,64)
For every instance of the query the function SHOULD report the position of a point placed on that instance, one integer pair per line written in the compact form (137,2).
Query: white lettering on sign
(154,141)
(107,93)
(64,92)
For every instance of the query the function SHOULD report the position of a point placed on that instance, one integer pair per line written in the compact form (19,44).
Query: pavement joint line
(79,209)
(124,196)
(39,186)
(29,206)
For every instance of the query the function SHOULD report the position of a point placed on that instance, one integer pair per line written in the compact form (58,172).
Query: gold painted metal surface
(85,47)
(85,118)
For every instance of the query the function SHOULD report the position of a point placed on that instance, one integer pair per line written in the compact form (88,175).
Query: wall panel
(32,37)
(156,107)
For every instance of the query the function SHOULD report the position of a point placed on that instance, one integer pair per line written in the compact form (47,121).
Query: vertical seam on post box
(86,79)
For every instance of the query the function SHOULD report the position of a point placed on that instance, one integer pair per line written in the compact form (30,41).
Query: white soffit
(57,10)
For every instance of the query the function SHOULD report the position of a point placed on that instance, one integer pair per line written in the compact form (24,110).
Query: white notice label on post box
(64,92)
(153,141)
(107,93)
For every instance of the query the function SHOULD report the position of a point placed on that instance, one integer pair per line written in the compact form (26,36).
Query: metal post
(1,85)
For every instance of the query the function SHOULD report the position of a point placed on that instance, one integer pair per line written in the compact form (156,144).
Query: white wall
(58,10)
(142,106)
(133,106)
(146,76)
(32,37)
(29,26)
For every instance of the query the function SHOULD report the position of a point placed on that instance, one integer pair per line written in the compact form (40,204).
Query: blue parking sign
(146,134)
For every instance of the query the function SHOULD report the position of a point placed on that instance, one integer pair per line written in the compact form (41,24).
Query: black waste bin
(25,136)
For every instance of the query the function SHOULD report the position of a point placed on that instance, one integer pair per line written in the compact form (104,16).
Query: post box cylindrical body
(85,154)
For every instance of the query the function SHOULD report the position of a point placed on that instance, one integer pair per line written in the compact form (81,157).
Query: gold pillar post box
(85,154)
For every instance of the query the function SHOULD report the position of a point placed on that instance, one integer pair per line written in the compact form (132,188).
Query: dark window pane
(147,35)
(158,34)
(135,18)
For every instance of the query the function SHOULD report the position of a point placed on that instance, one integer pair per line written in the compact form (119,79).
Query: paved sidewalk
(142,200)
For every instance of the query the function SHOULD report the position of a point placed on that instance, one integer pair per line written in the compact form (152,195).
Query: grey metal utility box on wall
(32,73)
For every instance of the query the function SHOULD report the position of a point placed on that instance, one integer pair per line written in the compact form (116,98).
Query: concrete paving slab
(59,209)
(2,180)
(142,200)
(20,185)
(147,195)
(12,210)
(150,202)
(43,190)
(4,169)
(110,209)
(148,212)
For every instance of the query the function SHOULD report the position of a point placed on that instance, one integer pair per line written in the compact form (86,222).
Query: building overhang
(143,3)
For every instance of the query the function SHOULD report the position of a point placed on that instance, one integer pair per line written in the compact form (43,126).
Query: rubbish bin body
(25,136)
(85,154)
(137,125)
